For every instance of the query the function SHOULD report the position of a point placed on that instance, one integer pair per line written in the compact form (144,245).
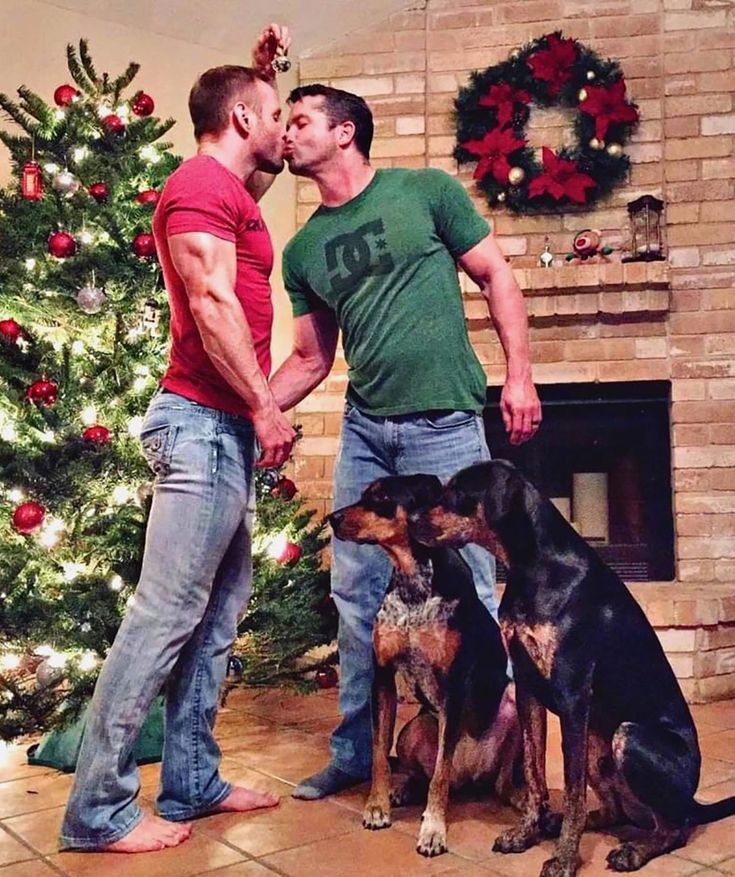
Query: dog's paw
(432,840)
(375,816)
(625,858)
(515,840)
(558,868)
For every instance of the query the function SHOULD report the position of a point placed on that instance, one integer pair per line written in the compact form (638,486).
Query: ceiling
(230,25)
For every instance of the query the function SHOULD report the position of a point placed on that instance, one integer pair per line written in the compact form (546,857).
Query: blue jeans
(194,583)
(437,443)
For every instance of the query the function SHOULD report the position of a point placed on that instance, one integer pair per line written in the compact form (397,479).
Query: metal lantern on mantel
(646,227)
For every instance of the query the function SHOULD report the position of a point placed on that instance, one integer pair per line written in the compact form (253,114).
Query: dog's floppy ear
(425,492)
(505,493)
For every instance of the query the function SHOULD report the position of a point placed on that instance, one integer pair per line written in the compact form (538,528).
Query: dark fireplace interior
(603,455)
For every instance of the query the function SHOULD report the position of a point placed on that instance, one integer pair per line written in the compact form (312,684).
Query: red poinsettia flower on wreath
(494,149)
(504,97)
(607,105)
(553,65)
(561,178)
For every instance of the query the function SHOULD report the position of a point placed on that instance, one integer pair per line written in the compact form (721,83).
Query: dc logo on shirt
(357,254)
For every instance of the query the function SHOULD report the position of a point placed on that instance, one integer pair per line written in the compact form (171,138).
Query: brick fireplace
(670,323)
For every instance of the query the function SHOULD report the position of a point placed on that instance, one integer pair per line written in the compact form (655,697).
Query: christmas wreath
(491,114)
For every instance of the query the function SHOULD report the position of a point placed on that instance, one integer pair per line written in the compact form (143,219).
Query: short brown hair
(213,94)
(341,106)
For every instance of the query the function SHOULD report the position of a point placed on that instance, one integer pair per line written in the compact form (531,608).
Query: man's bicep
(315,335)
(483,260)
(202,259)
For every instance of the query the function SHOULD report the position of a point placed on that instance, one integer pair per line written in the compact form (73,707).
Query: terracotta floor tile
(362,854)
(292,824)
(243,869)
(239,775)
(715,771)
(720,714)
(727,867)
(286,707)
(11,850)
(720,746)
(200,853)
(14,763)
(289,755)
(34,793)
(716,792)
(40,829)
(710,844)
(28,869)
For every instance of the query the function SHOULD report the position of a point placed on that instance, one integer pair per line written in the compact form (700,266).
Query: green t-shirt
(384,262)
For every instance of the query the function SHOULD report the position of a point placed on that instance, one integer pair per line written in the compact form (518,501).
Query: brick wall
(677,56)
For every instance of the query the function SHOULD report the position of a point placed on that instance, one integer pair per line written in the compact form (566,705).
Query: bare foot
(241,799)
(151,833)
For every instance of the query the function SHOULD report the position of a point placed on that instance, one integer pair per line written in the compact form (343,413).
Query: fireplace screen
(603,456)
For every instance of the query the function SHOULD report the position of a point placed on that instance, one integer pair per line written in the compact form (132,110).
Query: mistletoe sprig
(492,112)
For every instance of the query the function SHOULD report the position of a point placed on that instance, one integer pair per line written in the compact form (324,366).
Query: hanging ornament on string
(144,246)
(113,124)
(290,554)
(280,63)
(10,331)
(62,245)
(91,299)
(27,517)
(97,434)
(142,104)
(547,257)
(48,675)
(43,392)
(31,180)
(235,669)
(284,488)
(150,317)
(326,677)
(66,95)
(65,183)
(148,196)
(100,192)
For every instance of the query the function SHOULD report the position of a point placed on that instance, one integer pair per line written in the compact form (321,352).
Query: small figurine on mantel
(547,257)
(587,244)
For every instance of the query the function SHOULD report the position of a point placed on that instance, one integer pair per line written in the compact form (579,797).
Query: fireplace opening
(603,456)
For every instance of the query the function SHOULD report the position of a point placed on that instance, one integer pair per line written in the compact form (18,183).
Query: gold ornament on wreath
(492,112)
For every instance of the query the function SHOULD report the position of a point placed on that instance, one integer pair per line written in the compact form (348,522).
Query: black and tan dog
(582,648)
(433,627)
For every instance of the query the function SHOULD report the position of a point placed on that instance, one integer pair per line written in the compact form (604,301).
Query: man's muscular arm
(315,342)
(207,265)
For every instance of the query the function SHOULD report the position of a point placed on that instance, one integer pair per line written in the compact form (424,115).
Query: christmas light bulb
(142,370)
(277,546)
(88,662)
(30,264)
(16,495)
(72,571)
(139,384)
(43,651)
(86,237)
(57,660)
(120,495)
(77,348)
(48,436)
(89,415)
(80,153)
(116,583)
(150,153)
(135,424)
(9,661)
(123,110)
(59,115)
(8,433)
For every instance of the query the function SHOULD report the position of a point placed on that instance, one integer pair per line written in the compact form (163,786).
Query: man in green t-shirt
(378,261)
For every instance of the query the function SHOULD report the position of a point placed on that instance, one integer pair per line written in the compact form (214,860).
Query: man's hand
(521,410)
(266,48)
(275,436)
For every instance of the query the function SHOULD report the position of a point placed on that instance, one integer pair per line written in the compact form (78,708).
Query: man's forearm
(296,378)
(508,313)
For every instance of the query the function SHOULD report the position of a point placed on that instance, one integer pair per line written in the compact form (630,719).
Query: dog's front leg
(535,814)
(574,720)
(432,840)
(377,809)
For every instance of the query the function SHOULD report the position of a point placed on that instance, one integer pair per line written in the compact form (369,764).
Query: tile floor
(270,740)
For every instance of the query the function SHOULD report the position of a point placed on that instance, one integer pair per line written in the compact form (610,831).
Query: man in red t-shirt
(199,437)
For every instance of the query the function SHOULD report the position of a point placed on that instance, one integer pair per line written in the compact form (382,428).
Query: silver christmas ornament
(281,63)
(65,183)
(48,676)
(547,257)
(91,299)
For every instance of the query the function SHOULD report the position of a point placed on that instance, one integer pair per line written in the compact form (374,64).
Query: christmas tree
(83,339)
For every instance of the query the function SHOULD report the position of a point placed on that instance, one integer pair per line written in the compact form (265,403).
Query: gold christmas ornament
(615,149)
(516,175)
(582,94)
(591,75)
(597,144)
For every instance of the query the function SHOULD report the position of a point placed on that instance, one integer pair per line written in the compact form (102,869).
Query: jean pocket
(448,419)
(158,446)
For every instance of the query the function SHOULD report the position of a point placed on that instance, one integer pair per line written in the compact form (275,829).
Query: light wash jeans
(438,443)
(194,584)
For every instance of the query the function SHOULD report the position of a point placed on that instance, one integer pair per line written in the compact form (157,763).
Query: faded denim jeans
(437,443)
(194,584)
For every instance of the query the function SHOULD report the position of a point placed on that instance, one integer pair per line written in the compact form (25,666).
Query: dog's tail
(703,814)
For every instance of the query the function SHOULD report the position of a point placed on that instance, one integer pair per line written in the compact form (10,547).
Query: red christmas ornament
(326,677)
(148,196)
(114,124)
(100,192)
(62,245)
(99,435)
(65,95)
(28,517)
(554,64)
(31,182)
(284,488)
(494,149)
(43,392)
(607,105)
(143,104)
(561,179)
(144,246)
(504,97)
(10,330)
(290,554)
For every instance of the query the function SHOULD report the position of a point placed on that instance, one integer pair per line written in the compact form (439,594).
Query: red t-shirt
(203,195)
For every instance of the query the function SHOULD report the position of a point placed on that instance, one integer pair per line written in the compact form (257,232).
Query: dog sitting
(433,627)
(582,648)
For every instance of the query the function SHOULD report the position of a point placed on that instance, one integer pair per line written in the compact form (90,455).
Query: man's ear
(345,133)
(242,117)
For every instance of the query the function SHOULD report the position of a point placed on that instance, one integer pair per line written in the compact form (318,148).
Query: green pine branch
(77,72)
